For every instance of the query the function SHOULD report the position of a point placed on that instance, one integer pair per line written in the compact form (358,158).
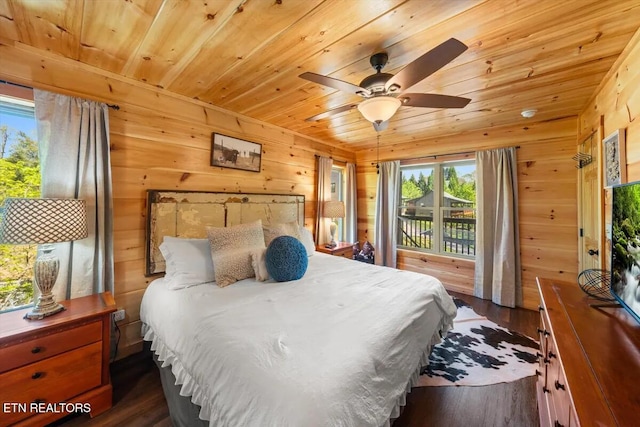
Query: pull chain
(378,155)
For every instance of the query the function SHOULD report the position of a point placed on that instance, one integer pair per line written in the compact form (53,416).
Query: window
(337,193)
(438,208)
(19,177)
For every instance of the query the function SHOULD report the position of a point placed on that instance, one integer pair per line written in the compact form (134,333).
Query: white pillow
(188,262)
(307,240)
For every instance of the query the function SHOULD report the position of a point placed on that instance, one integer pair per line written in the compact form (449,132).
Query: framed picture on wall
(230,152)
(615,162)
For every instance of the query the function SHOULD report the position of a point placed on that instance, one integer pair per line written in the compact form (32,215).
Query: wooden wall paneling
(546,195)
(617,101)
(162,141)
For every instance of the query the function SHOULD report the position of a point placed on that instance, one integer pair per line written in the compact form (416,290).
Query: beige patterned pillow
(231,249)
(271,231)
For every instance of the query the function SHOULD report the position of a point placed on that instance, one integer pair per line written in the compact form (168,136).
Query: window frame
(438,245)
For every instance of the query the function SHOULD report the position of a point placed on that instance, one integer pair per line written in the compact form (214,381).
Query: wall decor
(615,162)
(230,152)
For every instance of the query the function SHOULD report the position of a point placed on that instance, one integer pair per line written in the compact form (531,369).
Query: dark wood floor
(139,401)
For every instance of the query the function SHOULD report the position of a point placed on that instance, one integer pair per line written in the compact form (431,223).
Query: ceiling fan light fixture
(527,114)
(379,108)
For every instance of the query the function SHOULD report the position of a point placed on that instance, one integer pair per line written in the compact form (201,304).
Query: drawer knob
(546,390)
(36,350)
(552,354)
(37,375)
(543,332)
(540,308)
(559,386)
(538,373)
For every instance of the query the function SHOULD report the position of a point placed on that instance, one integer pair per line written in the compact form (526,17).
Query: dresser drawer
(52,380)
(40,348)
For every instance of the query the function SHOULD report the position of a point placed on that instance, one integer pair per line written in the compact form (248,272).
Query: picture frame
(235,153)
(614,159)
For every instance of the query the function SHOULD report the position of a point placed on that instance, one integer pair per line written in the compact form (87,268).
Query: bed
(339,347)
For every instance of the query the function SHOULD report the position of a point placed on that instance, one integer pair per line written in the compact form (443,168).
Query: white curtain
(497,274)
(323,194)
(387,213)
(351,205)
(74,158)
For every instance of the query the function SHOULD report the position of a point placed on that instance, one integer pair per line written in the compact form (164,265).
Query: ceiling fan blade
(432,100)
(334,83)
(379,127)
(331,113)
(427,64)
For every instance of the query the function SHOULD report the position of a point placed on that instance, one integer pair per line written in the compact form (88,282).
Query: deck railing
(458,232)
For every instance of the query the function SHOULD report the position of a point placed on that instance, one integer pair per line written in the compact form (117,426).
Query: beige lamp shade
(333,209)
(379,109)
(40,221)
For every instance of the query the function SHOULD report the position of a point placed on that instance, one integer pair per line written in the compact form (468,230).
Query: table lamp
(333,209)
(43,221)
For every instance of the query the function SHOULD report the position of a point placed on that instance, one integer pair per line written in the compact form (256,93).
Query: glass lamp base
(45,274)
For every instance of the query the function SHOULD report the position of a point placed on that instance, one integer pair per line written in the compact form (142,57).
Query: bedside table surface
(340,247)
(13,325)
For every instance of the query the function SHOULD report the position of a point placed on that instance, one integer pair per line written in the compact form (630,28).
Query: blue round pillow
(286,259)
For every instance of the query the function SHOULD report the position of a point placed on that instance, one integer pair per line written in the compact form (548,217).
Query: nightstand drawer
(53,380)
(40,348)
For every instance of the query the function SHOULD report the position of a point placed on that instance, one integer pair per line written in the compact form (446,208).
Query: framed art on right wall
(615,162)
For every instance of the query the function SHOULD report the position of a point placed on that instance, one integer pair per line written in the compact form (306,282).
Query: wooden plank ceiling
(246,55)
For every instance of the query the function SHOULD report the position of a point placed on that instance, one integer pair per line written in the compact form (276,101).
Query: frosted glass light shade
(379,108)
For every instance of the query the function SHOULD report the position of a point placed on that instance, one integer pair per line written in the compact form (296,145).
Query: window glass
(438,208)
(19,177)
(337,193)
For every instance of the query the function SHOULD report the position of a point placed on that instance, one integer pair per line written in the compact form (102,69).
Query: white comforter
(337,348)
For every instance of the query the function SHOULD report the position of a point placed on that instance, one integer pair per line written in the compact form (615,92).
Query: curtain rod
(435,156)
(112,106)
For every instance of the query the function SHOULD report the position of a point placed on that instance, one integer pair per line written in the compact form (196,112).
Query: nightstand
(61,359)
(343,249)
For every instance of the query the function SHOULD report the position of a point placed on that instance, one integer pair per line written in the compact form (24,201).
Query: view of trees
(19,177)
(626,240)
(464,188)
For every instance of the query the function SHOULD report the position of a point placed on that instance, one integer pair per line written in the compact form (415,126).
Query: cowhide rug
(478,352)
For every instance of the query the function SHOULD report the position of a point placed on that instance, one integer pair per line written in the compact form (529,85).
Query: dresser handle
(538,373)
(557,424)
(544,332)
(551,354)
(36,350)
(538,355)
(36,375)
(559,385)
(546,390)
(540,308)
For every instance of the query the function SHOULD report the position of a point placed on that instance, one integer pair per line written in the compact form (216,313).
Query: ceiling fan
(384,93)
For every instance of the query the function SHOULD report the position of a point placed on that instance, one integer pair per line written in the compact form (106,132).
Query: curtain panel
(73,138)
(351,205)
(386,223)
(497,272)
(323,194)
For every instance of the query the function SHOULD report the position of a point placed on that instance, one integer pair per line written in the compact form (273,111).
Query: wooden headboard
(187,213)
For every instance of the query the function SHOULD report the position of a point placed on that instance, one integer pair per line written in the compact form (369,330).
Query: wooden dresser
(343,249)
(589,370)
(48,365)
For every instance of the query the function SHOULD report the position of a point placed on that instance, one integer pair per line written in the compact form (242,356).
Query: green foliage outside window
(19,177)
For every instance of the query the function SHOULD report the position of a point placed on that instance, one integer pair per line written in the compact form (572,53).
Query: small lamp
(333,209)
(43,221)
